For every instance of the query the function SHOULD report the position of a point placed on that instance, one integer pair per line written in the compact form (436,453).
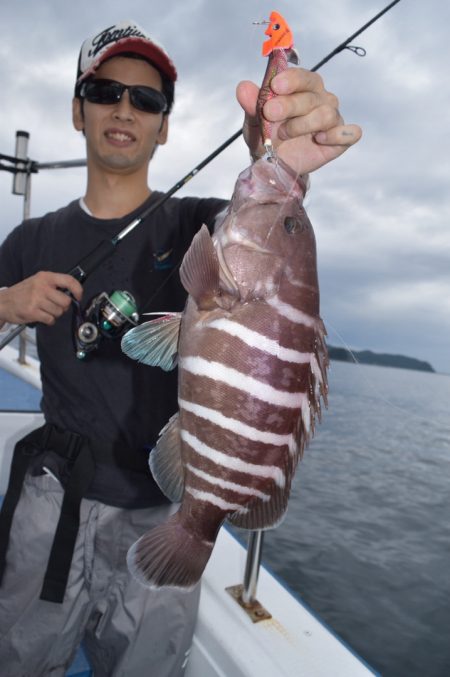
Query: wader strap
(60,560)
(24,451)
(76,452)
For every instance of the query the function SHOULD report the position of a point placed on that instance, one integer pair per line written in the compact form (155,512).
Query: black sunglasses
(108,92)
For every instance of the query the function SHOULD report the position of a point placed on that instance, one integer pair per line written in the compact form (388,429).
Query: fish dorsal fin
(199,271)
(165,461)
(155,342)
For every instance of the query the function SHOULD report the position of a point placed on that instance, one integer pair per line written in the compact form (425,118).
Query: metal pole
(22,186)
(62,164)
(23,338)
(252,564)
(22,171)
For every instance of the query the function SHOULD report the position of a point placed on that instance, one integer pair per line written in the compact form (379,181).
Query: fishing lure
(280,50)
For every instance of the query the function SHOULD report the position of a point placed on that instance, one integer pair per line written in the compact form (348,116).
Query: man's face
(119,137)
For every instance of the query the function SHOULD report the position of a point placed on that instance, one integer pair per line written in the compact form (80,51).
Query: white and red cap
(125,36)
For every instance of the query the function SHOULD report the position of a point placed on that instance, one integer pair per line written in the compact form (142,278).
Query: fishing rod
(345,45)
(105,249)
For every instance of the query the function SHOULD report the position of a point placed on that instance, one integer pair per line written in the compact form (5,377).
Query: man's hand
(308,130)
(38,298)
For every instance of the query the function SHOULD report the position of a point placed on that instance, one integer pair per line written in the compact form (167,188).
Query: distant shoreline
(379,359)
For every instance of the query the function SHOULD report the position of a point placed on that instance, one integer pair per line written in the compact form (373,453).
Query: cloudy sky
(381,212)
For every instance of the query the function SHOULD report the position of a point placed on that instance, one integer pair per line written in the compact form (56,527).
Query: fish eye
(276,27)
(291,225)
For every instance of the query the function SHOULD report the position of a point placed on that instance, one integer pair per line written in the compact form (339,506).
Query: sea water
(366,540)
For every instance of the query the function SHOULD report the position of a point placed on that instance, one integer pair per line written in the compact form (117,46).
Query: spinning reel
(107,316)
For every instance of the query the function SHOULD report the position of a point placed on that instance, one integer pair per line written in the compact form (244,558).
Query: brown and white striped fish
(252,371)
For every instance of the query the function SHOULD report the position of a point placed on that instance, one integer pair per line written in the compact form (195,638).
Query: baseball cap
(116,39)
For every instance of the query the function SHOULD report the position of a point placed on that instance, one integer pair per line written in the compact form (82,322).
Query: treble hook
(359,51)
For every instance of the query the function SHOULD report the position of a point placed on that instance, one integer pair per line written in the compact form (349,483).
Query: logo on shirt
(162,260)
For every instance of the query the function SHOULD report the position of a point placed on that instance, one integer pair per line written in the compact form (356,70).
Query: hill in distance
(379,359)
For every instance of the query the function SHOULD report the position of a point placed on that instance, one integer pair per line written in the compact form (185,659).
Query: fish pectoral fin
(199,271)
(155,342)
(165,461)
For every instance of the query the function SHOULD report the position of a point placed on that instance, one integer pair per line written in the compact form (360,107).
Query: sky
(381,212)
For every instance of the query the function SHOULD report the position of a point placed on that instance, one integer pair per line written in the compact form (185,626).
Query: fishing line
(85,267)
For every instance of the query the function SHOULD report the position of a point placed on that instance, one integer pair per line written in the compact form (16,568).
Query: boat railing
(24,338)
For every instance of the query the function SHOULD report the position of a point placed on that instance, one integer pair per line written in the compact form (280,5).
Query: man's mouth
(119,136)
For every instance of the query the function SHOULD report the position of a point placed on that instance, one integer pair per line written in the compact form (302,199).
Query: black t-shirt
(109,397)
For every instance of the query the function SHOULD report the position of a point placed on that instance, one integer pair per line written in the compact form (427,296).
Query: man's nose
(124,108)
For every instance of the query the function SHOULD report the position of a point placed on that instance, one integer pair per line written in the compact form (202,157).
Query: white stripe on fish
(215,500)
(237,427)
(219,458)
(256,340)
(236,379)
(291,313)
(226,484)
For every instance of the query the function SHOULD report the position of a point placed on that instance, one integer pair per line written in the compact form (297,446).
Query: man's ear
(163,131)
(77,114)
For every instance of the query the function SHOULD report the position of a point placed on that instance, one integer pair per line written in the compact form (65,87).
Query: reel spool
(107,316)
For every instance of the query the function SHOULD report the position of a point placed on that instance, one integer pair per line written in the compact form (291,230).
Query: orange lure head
(280,35)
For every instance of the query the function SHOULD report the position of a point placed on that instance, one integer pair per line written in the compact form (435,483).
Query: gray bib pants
(127,630)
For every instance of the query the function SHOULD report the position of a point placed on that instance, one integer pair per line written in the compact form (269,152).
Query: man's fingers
(306,126)
(283,107)
(64,281)
(342,135)
(57,302)
(46,318)
(247,95)
(321,118)
(297,80)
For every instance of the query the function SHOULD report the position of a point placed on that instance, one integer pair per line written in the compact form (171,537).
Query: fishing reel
(107,316)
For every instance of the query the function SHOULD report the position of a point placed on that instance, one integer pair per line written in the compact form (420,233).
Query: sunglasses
(108,92)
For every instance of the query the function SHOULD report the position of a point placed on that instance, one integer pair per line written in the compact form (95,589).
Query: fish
(252,374)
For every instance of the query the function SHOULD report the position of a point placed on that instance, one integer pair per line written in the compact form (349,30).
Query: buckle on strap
(63,442)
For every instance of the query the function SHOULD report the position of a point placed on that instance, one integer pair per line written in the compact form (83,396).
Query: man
(81,492)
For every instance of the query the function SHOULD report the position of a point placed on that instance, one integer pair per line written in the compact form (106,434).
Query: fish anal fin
(199,271)
(263,514)
(165,461)
(154,342)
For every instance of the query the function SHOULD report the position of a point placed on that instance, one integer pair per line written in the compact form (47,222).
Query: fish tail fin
(169,555)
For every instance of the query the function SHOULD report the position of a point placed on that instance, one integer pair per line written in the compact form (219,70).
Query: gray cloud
(381,212)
